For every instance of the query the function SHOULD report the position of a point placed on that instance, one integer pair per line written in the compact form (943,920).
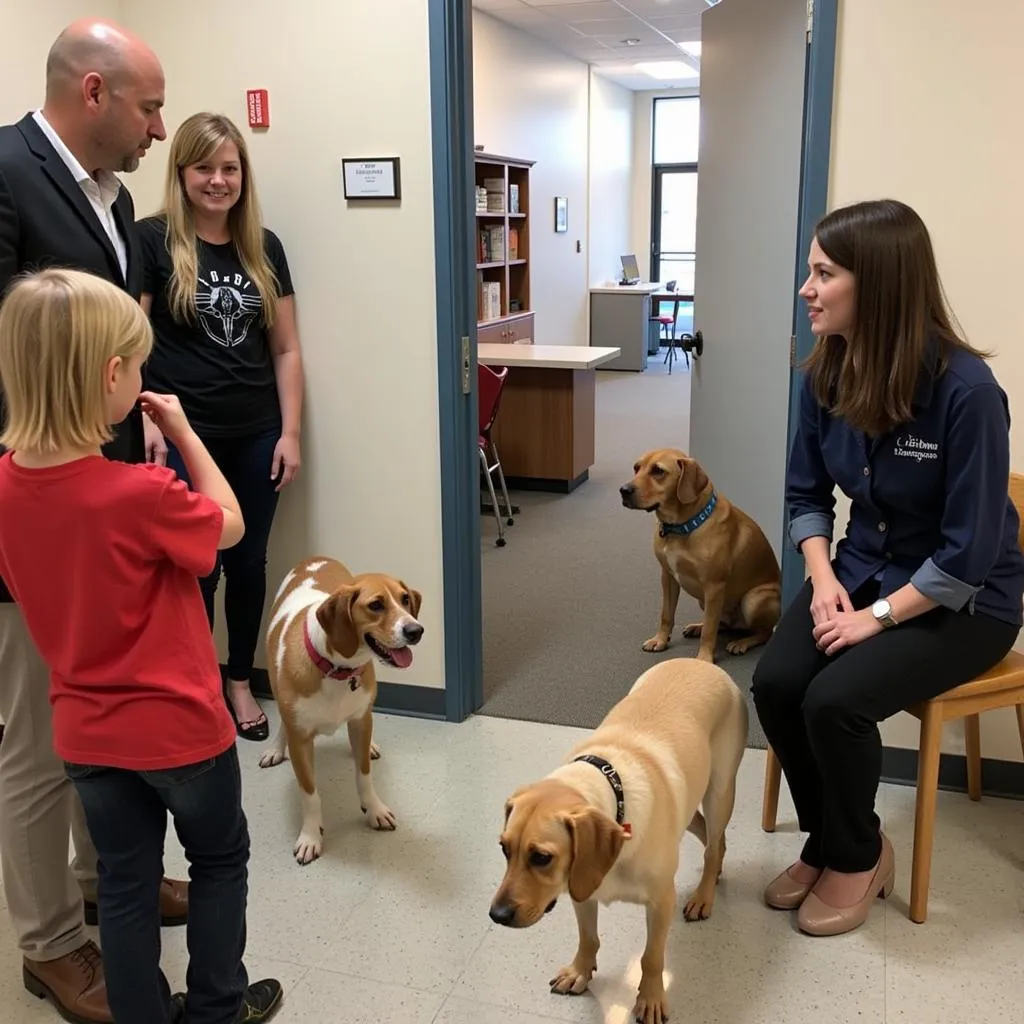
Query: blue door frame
(451,103)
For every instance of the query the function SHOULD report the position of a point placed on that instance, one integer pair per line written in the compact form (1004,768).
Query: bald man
(62,204)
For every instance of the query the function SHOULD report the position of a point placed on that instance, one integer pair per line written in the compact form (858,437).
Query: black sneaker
(260,1002)
(178,1008)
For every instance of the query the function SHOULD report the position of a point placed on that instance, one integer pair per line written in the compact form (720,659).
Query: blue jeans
(245,463)
(126,812)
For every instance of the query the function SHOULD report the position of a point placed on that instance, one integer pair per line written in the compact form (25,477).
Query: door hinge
(810,19)
(465,364)
(792,351)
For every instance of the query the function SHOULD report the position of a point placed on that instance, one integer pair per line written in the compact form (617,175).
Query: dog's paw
(693,629)
(655,644)
(381,818)
(374,751)
(269,758)
(308,847)
(706,654)
(699,905)
(572,980)
(651,1007)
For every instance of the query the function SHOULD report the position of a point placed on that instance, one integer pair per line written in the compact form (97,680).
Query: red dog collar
(329,669)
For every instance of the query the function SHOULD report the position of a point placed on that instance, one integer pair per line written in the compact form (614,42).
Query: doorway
(451,77)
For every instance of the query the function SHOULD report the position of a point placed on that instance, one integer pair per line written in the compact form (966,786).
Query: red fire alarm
(259,108)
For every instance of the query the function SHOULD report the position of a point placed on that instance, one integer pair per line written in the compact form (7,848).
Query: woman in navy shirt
(925,590)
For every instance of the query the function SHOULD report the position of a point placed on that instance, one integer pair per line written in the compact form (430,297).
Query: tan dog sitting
(607,824)
(711,549)
(326,627)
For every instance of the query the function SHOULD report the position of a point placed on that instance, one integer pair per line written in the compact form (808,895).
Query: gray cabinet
(622,320)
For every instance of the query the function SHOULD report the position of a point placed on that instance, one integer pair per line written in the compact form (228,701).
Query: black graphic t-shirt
(220,366)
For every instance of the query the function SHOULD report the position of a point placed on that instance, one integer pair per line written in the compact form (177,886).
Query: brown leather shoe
(74,983)
(816,917)
(784,892)
(173,905)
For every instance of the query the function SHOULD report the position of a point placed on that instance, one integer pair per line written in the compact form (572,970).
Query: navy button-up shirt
(929,500)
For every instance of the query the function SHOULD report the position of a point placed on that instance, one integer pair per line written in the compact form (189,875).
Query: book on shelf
(513,243)
(495,190)
(513,198)
(491,248)
(490,300)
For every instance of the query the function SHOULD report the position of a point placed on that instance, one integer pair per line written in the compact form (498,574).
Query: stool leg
(500,542)
(972,738)
(501,482)
(772,783)
(924,814)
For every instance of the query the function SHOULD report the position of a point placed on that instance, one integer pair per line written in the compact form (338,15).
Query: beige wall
(27,33)
(954,151)
(611,177)
(364,277)
(531,101)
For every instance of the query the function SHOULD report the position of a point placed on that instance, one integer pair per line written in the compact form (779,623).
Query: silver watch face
(880,609)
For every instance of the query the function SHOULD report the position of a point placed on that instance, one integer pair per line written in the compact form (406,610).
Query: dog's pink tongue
(402,657)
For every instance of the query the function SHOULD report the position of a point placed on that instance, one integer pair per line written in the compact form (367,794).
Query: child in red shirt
(103,560)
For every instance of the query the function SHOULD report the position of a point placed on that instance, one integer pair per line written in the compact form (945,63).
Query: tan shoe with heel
(816,917)
(784,892)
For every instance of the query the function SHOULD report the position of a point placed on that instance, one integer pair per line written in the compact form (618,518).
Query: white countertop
(551,357)
(643,288)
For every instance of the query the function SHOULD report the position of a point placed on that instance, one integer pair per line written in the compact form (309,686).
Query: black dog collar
(613,780)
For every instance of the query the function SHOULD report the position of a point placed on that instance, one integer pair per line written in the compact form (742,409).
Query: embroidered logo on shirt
(226,307)
(910,447)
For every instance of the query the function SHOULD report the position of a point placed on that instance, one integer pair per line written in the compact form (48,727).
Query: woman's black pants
(821,713)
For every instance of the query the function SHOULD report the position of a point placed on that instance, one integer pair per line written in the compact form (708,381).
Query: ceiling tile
(591,11)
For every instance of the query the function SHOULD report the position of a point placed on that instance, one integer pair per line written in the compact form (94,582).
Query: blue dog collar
(693,522)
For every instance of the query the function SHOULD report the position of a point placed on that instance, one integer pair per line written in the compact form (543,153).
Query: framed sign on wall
(375,178)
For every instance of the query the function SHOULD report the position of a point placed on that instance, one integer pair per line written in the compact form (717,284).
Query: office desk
(545,425)
(620,315)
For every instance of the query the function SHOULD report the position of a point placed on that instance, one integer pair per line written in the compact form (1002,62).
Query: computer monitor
(630,269)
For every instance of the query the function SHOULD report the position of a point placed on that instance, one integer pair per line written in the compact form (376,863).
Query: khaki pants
(38,808)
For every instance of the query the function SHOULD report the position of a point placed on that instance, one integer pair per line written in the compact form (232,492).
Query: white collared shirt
(101,191)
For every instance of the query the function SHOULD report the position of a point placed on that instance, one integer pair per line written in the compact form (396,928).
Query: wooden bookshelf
(504,313)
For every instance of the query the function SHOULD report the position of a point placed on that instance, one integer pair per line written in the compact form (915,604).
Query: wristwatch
(882,611)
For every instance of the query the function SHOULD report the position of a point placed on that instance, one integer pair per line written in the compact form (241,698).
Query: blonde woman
(219,294)
(134,683)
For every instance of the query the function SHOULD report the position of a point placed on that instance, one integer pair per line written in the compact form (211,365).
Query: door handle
(692,343)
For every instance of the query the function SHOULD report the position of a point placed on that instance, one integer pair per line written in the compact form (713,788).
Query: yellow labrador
(607,824)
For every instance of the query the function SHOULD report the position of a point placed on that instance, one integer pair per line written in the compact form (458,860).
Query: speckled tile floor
(393,927)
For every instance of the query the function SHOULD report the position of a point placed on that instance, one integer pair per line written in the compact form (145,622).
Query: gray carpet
(570,599)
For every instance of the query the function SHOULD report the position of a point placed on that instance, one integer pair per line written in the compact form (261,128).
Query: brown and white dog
(326,627)
(606,825)
(709,548)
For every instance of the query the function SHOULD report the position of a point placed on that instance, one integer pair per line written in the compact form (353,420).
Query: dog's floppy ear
(596,842)
(692,480)
(415,600)
(335,615)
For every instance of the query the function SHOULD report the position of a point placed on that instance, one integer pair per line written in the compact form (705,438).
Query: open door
(753,82)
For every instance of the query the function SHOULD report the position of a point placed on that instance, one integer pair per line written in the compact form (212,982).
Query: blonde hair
(198,139)
(58,331)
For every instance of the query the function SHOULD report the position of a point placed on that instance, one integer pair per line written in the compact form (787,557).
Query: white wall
(531,101)
(951,151)
(643,154)
(369,492)
(611,177)
(27,34)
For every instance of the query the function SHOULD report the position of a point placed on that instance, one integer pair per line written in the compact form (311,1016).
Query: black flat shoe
(258,729)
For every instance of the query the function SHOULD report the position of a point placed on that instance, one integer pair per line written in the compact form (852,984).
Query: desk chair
(489,387)
(666,321)
(1000,687)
